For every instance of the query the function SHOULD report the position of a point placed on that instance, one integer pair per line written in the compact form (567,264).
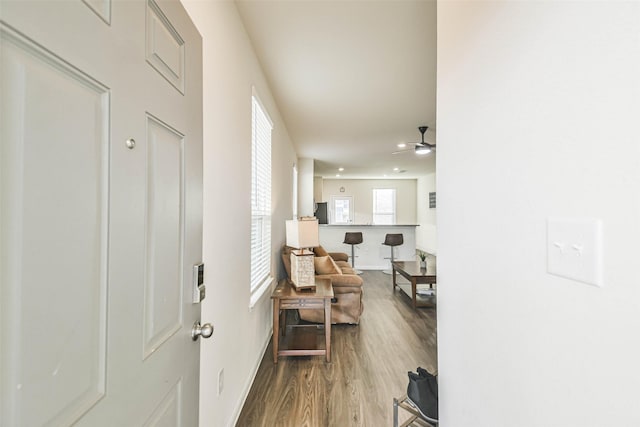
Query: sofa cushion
(339,280)
(326,265)
(320,251)
(339,256)
(347,270)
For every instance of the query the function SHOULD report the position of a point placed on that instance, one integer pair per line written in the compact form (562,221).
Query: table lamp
(302,234)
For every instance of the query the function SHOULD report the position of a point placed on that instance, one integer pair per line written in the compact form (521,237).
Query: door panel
(164,47)
(163,282)
(99,239)
(167,413)
(54,228)
(102,8)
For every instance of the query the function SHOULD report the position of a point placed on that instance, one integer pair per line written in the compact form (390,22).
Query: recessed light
(402,145)
(337,175)
(396,169)
(340,169)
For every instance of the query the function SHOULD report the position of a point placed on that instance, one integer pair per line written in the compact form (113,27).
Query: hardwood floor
(369,364)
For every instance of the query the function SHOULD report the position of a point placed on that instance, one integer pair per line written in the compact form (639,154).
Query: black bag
(422,391)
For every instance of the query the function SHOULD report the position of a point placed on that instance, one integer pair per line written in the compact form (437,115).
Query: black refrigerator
(321,213)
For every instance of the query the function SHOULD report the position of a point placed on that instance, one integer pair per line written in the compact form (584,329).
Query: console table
(417,275)
(286,297)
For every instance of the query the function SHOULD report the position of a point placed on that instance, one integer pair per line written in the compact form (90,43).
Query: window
(341,210)
(260,200)
(384,206)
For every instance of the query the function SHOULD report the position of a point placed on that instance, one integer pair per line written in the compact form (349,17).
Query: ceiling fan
(421,147)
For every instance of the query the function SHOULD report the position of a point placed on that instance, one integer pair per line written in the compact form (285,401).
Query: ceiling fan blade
(421,143)
(420,148)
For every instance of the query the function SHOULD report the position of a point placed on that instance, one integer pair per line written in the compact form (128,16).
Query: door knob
(204,331)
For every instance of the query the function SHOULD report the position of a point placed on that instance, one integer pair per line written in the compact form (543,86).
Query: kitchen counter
(371,253)
(369,225)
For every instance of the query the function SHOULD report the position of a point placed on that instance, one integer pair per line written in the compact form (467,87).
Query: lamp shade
(302,233)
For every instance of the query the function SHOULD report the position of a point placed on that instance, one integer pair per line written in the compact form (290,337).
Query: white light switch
(574,249)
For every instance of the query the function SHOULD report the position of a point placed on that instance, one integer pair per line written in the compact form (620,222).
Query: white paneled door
(100,212)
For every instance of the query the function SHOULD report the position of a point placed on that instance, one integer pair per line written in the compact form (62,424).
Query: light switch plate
(574,249)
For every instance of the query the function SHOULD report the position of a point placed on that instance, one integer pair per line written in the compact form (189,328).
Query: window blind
(260,197)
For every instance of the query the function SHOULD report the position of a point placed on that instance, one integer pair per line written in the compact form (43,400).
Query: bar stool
(353,238)
(392,240)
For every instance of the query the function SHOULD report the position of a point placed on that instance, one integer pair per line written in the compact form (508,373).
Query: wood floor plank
(369,364)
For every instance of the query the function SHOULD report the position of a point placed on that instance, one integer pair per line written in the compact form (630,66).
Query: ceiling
(352,79)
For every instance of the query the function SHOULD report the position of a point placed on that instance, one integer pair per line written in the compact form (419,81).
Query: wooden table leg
(327,328)
(276,328)
(413,291)
(283,322)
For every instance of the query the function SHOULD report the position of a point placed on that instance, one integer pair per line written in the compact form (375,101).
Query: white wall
(426,237)
(305,187)
(538,112)
(317,189)
(362,192)
(241,335)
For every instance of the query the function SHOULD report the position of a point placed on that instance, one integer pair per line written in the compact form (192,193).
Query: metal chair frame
(353,238)
(392,240)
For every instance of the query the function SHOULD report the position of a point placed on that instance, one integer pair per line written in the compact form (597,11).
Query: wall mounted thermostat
(199,290)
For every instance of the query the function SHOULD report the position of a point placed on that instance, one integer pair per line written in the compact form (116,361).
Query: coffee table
(412,271)
(286,297)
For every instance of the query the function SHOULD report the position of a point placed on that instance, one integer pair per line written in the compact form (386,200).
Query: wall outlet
(220,381)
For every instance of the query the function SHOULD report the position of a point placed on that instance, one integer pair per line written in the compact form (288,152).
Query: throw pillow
(326,265)
(319,251)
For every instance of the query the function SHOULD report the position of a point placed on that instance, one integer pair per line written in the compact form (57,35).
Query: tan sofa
(347,289)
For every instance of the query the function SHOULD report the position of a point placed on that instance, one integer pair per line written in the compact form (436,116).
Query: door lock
(199,290)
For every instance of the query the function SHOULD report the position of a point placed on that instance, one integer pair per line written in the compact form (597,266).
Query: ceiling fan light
(422,149)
